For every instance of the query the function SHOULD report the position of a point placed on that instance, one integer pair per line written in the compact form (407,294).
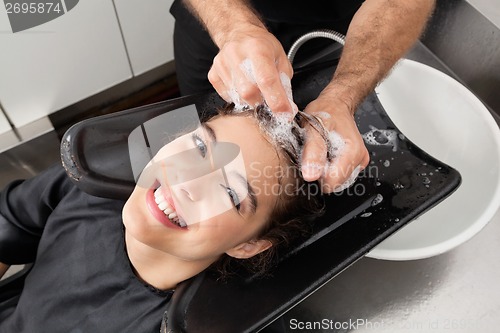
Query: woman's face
(206,193)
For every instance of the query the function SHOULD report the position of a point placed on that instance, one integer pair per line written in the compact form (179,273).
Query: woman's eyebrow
(210,131)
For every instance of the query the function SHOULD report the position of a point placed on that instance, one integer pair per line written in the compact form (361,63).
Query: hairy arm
(251,66)
(221,18)
(380,33)
(3,269)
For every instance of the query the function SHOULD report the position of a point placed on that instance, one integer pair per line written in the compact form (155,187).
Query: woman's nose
(191,179)
(184,166)
(188,191)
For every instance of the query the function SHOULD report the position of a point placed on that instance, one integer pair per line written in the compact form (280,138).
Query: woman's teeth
(164,206)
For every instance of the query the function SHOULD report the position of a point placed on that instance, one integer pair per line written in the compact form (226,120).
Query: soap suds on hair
(285,132)
(235,98)
(279,127)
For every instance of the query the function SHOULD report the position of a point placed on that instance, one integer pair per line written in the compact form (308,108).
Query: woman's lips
(157,213)
(168,196)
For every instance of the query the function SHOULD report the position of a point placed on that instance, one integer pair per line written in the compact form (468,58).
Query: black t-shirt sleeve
(25,207)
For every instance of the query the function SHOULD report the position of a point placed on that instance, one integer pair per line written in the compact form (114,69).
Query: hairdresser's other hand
(338,117)
(252,67)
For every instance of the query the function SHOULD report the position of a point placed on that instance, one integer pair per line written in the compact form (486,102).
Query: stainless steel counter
(489,8)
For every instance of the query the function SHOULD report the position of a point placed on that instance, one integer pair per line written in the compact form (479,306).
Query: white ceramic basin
(446,120)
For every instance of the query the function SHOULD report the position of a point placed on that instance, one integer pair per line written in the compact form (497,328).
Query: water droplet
(398,186)
(387,163)
(426,180)
(366,214)
(378,199)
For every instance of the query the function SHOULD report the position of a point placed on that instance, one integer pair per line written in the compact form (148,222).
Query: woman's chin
(133,220)
(129,215)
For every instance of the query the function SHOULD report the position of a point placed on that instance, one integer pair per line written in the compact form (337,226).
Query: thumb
(313,156)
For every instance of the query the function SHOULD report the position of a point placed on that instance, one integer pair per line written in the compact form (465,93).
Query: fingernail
(312,170)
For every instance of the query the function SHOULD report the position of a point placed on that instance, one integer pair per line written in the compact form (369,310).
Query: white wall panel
(148,30)
(56,64)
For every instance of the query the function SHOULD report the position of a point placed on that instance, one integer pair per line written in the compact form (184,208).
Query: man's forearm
(380,33)
(223,17)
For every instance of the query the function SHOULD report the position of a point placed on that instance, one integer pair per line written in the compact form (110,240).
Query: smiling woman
(228,192)
(209,197)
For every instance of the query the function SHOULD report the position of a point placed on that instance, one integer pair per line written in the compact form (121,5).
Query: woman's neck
(157,268)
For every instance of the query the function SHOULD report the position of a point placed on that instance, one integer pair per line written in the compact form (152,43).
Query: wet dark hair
(294,213)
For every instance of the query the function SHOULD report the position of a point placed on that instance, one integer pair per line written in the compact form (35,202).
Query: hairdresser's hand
(354,157)
(252,67)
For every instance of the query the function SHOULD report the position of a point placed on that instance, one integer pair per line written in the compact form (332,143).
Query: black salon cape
(81,280)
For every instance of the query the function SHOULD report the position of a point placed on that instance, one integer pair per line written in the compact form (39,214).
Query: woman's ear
(249,249)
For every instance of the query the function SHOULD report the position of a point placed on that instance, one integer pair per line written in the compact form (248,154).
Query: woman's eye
(233,196)
(200,144)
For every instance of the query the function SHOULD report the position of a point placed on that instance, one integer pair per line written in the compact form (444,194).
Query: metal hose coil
(324,33)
